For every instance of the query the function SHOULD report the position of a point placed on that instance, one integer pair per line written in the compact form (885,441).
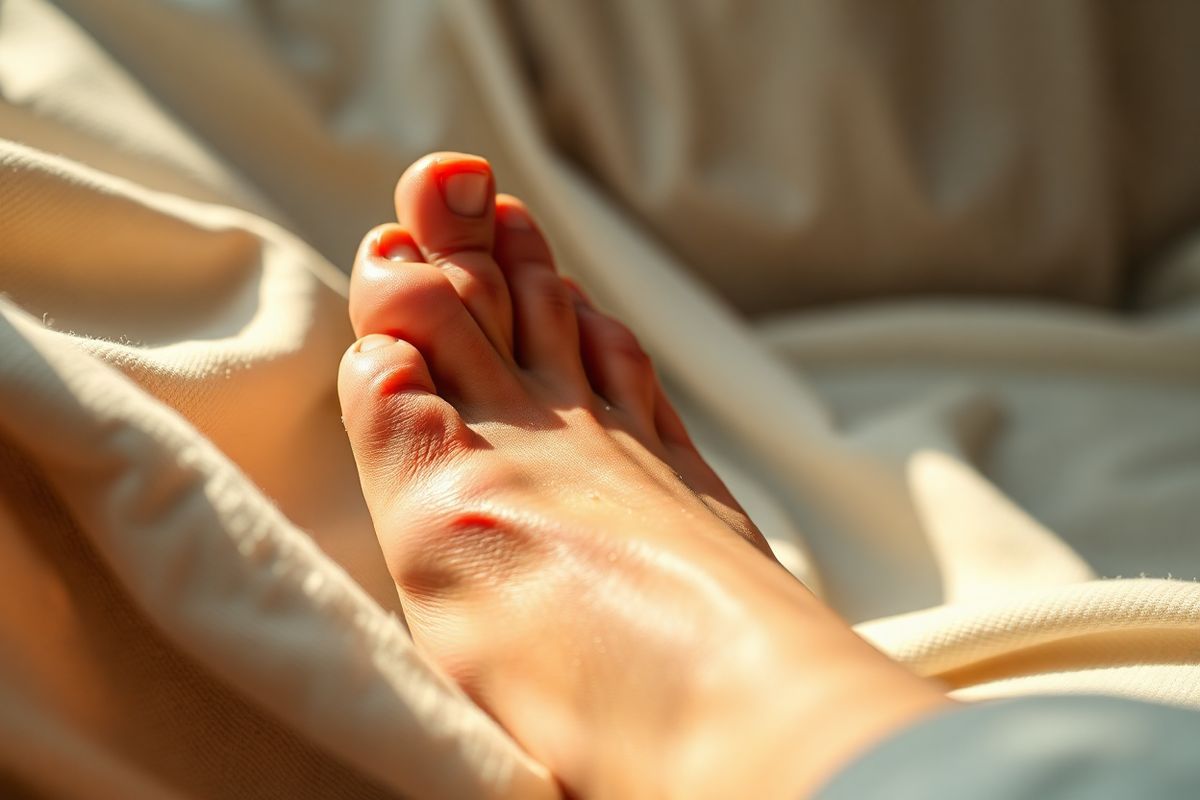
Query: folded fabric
(921,282)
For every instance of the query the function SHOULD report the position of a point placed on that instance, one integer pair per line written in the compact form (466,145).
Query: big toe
(447,202)
(397,424)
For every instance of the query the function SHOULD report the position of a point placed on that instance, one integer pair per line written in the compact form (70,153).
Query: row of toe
(466,287)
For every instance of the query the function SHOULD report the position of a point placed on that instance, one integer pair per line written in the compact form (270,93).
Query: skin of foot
(560,548)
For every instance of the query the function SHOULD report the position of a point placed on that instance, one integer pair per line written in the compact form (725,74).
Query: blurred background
(922,276)
(1024,149)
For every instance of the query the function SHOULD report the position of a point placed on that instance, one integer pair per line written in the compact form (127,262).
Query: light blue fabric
(1049,748)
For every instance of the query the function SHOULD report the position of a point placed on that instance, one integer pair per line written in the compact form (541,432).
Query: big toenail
(374,340)
(466,193)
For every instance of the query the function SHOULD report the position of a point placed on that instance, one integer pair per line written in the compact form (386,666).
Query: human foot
(561,549)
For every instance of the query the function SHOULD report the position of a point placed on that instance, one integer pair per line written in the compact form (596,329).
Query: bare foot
(560,547)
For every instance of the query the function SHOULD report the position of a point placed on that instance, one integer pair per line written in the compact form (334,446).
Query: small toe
(418,303)
(518,237)
(545,331)
(617,367)
(447,202)
(397,425)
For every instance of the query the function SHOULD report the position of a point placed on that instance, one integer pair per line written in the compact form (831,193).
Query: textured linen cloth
(924,281)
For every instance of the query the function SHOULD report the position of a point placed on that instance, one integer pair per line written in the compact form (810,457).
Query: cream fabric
(925,282)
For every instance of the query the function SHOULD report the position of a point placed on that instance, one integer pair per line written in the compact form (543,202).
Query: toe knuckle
(550,292)
(464,547)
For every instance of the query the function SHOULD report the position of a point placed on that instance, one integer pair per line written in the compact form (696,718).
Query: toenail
(399,251)
(516,220)
(395,245)
(374,340)
(466,193)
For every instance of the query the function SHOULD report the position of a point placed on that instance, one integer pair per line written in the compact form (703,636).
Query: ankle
(787,722)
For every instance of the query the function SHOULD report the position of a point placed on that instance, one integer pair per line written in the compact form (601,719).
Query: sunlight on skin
(560,547)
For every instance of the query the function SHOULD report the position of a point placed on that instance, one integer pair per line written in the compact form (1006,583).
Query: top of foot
(560,547)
